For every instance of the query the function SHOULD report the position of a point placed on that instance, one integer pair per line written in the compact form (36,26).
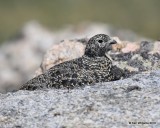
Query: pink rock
(64,51)
(130,47)
(156,47)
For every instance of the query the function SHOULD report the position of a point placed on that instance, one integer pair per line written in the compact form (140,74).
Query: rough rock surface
(111,104)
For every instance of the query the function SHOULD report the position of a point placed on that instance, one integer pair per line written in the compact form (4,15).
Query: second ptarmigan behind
(93,67)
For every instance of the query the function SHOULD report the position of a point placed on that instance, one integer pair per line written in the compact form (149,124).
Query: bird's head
(98,45)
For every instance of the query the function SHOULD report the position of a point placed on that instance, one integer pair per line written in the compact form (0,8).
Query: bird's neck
(94,53)
(105,57)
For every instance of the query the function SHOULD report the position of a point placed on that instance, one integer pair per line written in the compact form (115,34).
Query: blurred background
(28,28)
(141,16)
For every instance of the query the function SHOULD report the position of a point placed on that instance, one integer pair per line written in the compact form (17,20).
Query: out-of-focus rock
(20,57)
(64,51)
(125,46)
(156,48)
(130,47)
(146,46)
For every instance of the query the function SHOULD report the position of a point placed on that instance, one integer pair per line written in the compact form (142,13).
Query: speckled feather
(93,67)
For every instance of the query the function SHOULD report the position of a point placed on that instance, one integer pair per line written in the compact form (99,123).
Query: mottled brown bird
(93,67)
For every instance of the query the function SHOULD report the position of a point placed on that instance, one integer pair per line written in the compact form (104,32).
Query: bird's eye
(100,41)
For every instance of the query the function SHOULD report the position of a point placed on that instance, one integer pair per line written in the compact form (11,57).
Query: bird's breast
(100,64)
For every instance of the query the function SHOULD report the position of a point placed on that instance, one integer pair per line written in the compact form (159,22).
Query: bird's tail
(38,82)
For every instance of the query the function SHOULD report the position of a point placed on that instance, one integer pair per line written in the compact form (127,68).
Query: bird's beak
(112,42)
